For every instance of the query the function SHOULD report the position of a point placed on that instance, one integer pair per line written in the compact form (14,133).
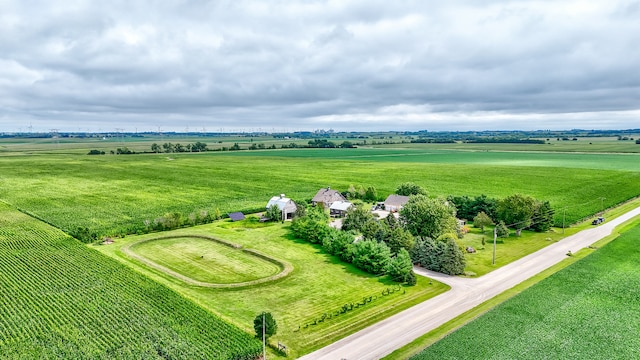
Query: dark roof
(236,216)
(328,196)
(396,200)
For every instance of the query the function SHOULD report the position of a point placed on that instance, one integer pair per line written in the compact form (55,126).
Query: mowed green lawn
(205,260)
(589,310)
(319,284)
(116,194)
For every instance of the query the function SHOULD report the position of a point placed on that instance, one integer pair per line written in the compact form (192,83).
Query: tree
(265,323)
(429,217)
(273,213)
(398,239)
(502,230)
(542,218)
(168,147)
(452,261)
(370,194)
(400,266)
(371,256)
(409,188)
(155,148)
(428,253)
(351,192)
(199,147)
(339,243)
(357,219)
(516,211)
(481,220)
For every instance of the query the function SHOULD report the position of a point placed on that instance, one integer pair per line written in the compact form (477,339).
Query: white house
(286,205)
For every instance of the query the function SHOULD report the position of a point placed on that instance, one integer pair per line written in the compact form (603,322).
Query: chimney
(281,196)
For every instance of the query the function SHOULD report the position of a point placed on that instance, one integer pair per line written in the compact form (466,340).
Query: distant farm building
(286,206)
(394,203)
(339,208)
(325,197)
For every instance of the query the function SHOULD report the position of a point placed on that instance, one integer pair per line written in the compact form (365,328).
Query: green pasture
(62,300)
(113,195)
(590,309)
(319,284)
(205,260)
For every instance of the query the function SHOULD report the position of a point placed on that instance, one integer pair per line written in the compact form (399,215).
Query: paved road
(384,337)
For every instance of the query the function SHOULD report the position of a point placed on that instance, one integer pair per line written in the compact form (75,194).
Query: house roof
(396,200)
(328,196)
(236,216)
(341,205)
(279,201)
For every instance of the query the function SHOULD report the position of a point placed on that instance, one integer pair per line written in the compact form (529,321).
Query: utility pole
(602,205)
(495,239)
(563,213)
(264,345)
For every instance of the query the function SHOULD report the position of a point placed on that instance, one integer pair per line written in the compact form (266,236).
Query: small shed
(339,208)
(394,203)
(286,205)
(236,216)
(327,196)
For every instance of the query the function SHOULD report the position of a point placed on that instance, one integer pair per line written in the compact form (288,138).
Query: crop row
(74,302)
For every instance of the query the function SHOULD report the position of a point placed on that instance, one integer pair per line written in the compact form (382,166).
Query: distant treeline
(505,141)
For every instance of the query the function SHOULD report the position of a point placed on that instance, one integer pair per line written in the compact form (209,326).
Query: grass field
(61,300)
(590,309)
(116,194)
(319,284)
(205,260)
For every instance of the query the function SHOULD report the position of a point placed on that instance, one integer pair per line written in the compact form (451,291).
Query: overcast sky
(143,65)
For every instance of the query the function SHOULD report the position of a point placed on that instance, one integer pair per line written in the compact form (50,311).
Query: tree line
(426,232)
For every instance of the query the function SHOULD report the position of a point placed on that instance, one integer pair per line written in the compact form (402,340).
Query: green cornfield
(115,195)
(63,300)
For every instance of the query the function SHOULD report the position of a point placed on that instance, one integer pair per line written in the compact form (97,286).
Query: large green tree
(400,266)
(428,217)
(516,211)
(542,218)
(482,220)
(452,261)
(265,323)
(409,188)
(371,256)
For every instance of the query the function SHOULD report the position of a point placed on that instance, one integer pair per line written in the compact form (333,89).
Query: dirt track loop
(384,337)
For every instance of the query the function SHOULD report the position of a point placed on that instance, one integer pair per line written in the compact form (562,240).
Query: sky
(348,65)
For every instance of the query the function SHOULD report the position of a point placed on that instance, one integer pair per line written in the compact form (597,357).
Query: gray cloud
(301,65)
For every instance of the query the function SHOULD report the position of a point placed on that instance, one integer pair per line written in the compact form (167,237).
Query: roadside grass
(113,195)
(206,261)
(583,297)
(508,249)
(319,284)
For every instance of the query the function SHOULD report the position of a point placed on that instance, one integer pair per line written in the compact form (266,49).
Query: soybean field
(116,194)
(589,310)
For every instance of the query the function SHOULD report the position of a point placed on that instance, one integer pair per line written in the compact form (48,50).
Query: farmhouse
(394,203)
(326,197)
(286,205)
(339,208)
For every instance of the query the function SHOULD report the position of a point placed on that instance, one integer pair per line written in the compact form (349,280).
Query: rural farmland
(121,197)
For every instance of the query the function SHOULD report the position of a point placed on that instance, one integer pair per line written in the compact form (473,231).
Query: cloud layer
(302,65)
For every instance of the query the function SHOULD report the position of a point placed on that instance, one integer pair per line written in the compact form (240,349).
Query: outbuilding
(339,208)
(286,206)
(394,203)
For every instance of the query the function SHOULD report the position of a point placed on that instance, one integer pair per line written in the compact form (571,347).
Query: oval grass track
(223,264)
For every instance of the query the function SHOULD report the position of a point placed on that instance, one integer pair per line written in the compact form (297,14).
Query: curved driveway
(392,333)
